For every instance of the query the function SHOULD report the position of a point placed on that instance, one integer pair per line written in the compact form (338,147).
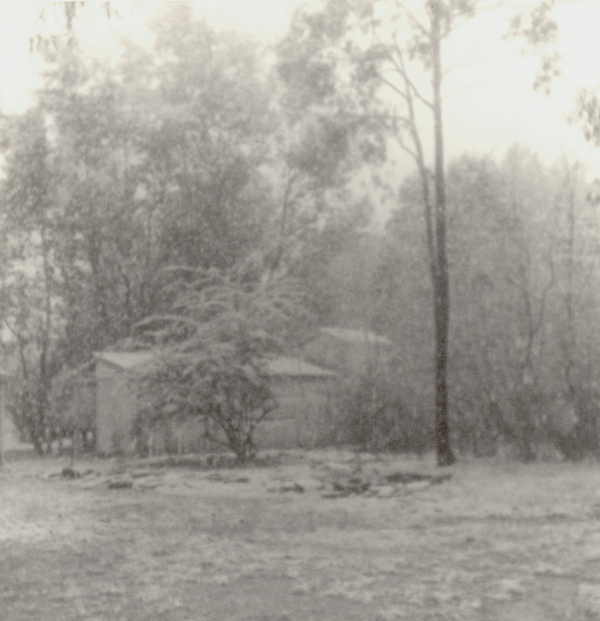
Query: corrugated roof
(356,336)
(280,366)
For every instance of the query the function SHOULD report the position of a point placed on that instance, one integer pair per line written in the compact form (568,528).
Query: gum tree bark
(441,284)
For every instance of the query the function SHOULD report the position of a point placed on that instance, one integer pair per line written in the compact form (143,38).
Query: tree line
(205,181)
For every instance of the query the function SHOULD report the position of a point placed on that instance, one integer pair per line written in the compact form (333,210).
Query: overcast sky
(490,103)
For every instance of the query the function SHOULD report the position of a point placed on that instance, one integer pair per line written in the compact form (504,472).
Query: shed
(9,435)
(349,351)
(302,391)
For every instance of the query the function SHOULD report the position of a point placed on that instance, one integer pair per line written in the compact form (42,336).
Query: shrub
(212,350)
(375,414)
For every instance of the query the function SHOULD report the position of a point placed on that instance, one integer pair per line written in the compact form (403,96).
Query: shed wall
(116,405)
(301,417)
(10,436)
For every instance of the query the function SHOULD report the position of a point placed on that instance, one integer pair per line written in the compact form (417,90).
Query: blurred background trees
(205,151)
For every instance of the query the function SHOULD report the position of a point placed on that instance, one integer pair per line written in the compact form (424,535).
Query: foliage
(345,59)
(189,152)
(28,279)
(176,154)
(539,29)
(374,413)
(522,255)
(72,400)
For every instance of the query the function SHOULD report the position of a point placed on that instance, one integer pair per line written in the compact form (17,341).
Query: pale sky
(490,103)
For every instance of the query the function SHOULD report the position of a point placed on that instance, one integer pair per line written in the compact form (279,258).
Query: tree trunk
(441,288)
(2,413)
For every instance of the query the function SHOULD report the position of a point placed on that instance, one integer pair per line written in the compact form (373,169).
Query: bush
(374,414)
(528,422)
(209,385)
(213,348)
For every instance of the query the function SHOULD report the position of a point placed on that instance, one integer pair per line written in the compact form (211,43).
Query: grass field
(495,542)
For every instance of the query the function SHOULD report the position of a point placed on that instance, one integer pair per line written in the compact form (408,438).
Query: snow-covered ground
(496,541)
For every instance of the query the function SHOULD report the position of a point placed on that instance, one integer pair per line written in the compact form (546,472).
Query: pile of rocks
(342,480)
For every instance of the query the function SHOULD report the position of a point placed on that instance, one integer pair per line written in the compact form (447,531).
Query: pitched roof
(280,366)
(356,336)
(126,360)
(294,367)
